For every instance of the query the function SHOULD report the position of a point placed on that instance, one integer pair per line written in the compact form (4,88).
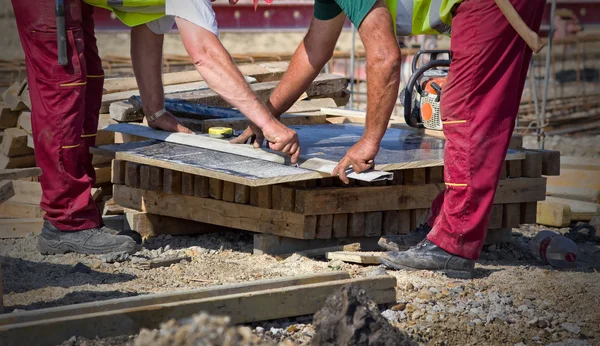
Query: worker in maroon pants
(480,101)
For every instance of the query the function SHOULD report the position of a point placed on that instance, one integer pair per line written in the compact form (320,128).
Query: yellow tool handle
(531,37)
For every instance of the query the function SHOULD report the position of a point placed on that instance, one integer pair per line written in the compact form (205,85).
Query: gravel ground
(512,300)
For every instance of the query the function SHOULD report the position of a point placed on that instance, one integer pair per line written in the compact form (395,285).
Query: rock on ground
(350,318)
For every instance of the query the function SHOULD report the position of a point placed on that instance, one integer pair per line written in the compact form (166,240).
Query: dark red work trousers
(479,106)
(65,103)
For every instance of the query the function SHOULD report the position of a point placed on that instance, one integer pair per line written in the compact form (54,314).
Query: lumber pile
(574,195)
(319,208)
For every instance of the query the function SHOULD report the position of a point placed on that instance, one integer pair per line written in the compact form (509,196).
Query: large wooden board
(242,308)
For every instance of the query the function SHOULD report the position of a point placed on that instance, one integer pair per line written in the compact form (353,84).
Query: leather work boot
(405,241)
(428,256)
(89,241)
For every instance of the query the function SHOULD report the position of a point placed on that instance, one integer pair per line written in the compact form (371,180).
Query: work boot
(428,256)
(405,241)
(89,241)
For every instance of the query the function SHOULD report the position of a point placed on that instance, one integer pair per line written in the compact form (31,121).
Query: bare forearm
(383,89)
(220,73)
(146,57)
(308,60)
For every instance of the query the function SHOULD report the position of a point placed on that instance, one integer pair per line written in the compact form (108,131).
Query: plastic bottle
(554,249)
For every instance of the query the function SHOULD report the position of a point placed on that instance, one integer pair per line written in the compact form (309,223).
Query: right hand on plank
(279,138)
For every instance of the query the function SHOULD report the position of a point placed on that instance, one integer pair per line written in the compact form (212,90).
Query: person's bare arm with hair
(383,78)
(309,59)
(146,57)
(217,68)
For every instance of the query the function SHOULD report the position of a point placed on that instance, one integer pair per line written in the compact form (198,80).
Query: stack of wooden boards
(574,195)
(260,300)
(171,180)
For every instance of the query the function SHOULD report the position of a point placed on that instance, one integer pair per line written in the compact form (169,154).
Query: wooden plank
(24,122)
(132,174)
(580,211)
(23,161)
(320,251)
(8,117)
(167,297)
(12,98)
(103,173)
(264,197)
(6,190)
(373,224)
(323,84)
(241,123)
(550,161)
(254,196)
(435,175)
(532,165)
(20,173)
(416,176)
(29,192)
(514,168)
(340,226)
(171,181)
(504,170)
(228,191)
(213,211)
(216,188)
(187,184)
(156,179)
(355,257)
(242,194)
(309,230)
(276,197)
(144,177)
(201,186)
(17,210)
(118,172)
(511,216)
(288,199)
(582,163)
(528,212)
(496,216)
(20,228)
(391,222)
(356,225)
(324,226)
(262,72)
(290,301)
(151,225)
(404,222)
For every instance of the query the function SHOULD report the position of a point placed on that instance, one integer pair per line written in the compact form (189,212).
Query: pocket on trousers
(44,49)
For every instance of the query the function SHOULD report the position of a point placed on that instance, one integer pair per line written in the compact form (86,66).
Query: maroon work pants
(65,102)
(479,106)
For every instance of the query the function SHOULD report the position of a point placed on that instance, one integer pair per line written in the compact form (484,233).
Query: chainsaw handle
(433,52)
(412,82)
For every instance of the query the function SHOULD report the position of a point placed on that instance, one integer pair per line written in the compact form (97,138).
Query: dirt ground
(512,299)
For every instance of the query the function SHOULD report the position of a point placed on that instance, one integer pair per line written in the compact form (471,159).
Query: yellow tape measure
(220,132)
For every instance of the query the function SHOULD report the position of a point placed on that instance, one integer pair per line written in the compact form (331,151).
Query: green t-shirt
(356,10)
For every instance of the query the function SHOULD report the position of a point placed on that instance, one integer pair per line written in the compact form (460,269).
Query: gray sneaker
(89,241)
(428,256)
(405,241)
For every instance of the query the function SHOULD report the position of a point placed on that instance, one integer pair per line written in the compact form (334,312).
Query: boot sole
(451,273)
(62,248)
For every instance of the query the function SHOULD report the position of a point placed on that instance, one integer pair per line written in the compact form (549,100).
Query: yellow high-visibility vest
(416,17)
(132,12)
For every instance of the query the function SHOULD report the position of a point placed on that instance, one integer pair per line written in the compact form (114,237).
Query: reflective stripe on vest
(132,12)
(416,17)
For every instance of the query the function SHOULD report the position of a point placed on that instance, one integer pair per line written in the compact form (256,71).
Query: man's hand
(167,122)
(361,157)
(282,139)
(252,133)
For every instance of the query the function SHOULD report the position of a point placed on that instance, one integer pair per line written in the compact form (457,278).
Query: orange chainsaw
(422,94)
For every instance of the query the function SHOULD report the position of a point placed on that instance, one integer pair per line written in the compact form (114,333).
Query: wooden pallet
(318,209)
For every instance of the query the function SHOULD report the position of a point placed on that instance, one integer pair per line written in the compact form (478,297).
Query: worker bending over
(66,102)
(479,106)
